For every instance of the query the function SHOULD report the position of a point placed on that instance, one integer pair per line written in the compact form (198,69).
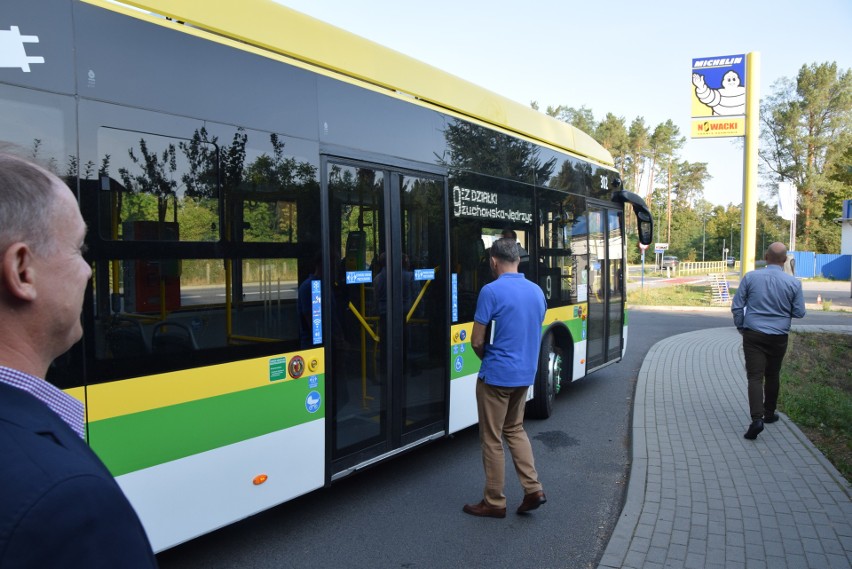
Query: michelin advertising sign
(718,96)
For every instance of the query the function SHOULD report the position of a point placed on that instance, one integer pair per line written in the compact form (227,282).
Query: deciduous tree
(807,127)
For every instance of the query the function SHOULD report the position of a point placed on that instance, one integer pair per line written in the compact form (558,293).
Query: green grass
(674,295)
(816,393)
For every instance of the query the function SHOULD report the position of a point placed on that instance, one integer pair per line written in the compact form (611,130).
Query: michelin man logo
(728,100)
(13,53)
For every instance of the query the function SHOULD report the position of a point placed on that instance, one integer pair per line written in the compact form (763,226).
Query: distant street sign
(662,246)
(659,250)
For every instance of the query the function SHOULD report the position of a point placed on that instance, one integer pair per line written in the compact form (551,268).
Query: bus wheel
(546,380)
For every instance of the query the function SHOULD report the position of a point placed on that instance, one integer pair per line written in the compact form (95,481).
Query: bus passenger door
(389,366)
(606,280)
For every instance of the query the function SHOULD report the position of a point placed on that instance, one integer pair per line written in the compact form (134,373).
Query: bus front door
(606,281)
(388,353)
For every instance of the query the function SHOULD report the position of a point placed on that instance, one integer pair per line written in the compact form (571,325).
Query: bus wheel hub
(554,371)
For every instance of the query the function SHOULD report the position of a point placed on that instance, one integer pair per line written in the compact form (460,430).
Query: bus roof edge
(271,26)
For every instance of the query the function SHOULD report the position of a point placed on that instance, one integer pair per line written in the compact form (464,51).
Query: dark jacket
(59,505)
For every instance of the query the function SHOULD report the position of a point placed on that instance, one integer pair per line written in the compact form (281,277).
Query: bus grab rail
(417,301)
(363,322)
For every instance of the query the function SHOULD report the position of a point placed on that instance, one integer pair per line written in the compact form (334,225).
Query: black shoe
(754,429)
(771,418)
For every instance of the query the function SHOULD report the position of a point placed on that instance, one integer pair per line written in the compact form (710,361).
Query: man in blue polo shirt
(510,311)
(765,302)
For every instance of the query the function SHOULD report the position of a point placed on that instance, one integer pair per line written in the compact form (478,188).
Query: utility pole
(669,209)
(749,219)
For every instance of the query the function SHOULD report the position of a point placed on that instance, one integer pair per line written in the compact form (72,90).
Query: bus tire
(544,389)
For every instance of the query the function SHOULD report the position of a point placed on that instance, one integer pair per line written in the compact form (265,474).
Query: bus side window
(562,236)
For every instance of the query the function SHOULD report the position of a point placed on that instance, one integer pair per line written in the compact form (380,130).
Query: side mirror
(643,214)
(645,228)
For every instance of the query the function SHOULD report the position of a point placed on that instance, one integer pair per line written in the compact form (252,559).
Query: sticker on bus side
(277,369)
(359,277)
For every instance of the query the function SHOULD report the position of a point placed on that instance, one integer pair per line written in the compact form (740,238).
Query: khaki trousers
(501,416)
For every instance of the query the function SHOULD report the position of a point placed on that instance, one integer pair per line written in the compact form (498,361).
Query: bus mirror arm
(645,225)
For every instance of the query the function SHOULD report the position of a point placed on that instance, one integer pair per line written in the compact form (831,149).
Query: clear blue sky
(625,57)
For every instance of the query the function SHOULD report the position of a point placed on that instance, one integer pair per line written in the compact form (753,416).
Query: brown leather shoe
(532,501)
(483,510)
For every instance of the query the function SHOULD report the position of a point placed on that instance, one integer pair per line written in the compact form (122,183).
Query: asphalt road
(406,513)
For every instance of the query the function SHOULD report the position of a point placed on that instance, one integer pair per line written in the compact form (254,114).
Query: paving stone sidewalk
(700,495)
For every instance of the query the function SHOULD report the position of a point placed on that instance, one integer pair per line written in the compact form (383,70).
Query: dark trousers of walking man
(764,354)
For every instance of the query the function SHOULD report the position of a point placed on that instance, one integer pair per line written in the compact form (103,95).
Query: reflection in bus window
(616,256)
(159,188)
(276,192)
(597,253)
(41,126)
(167,189)
(563,250)
(236,224)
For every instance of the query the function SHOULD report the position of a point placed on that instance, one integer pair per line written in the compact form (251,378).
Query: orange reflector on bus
(583,361)
(259,479)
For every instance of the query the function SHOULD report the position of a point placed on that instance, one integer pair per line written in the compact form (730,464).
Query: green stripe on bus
(463,360)
(141,440)
(576,327)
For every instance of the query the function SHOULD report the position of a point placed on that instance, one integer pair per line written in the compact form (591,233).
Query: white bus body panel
(463,411)
(186,498)
(579,366)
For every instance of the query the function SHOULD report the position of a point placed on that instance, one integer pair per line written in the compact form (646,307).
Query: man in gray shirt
(765,302)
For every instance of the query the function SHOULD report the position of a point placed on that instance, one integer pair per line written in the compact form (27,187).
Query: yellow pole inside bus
(752,135)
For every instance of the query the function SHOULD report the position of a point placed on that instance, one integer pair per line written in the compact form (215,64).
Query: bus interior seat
(126,338)
(171,337)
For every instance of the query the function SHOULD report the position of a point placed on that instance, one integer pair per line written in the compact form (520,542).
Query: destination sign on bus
(491,205)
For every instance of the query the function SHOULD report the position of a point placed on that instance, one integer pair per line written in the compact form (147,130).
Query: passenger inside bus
(525,256)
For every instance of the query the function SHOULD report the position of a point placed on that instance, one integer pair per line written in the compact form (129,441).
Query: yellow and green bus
(288,229)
